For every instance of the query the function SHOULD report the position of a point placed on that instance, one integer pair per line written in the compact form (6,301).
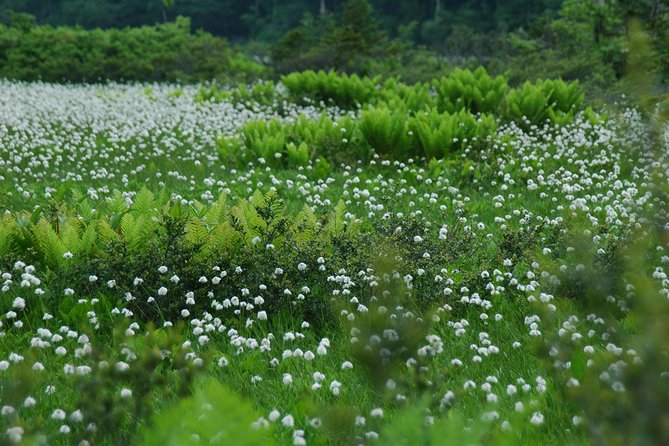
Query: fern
(546,100)
(527,102)
(117,208)
(49,244)
(248,222)
(106,234)
(437,135)
(386,132)
(219,212)
(474,91)
(69,234)
(7,232)
(88,238)
(331,88)
(196,232)
(77,196)
(336,226)
(136,231)
(305,226)
(143,203)
(298,155)
(85,209)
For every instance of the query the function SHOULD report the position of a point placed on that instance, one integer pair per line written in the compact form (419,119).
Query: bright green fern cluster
(475,91)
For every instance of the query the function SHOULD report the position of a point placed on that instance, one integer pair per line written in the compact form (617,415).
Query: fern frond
(48,242)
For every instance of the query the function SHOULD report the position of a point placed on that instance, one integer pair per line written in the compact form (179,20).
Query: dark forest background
(416,40)
(268,20)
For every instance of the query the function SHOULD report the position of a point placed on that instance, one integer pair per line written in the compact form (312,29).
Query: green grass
(494,243)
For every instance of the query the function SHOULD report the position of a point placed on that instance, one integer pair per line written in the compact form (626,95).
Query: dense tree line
(269,19)
(412,39)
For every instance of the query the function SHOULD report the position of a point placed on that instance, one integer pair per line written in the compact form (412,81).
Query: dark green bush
(165,52)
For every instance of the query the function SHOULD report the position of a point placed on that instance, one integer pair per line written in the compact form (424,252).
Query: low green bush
(164,52)
(410,98)
(261,92)
(386,131)
(439,134)
(294,144)
(475,91)
(546,100)
(331,87)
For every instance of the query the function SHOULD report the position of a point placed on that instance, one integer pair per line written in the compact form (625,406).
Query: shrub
(475,91)
(438,135)
(386,131)
(229,416)
(164,52)
(265,139)
(332,88)
(294,143)
(410,98)
(545,100)
(261,92)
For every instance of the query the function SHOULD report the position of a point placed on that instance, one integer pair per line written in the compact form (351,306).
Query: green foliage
(357,34)
(330,87)
(545,100)
(298,155)
(411,426)
(346,43)
(398,120)
(228,419)
(475,91)
(261,92)
(387,132)
(165,52)
(409,98)
(437,135)
(293,143)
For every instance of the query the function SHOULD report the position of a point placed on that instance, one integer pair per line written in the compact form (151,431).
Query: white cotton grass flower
(537,418)
(15,434)
(335,387)
(58,414)
(288,421)
(274,415)
(376,413)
